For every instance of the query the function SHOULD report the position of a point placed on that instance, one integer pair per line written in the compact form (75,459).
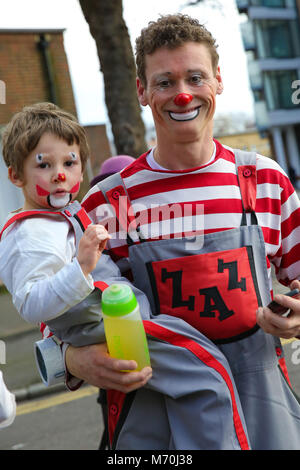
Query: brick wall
(23,71)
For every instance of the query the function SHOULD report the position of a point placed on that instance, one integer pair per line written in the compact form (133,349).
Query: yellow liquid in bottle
(126,339)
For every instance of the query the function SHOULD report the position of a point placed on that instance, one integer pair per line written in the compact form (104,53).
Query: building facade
(271,37)
(34,68)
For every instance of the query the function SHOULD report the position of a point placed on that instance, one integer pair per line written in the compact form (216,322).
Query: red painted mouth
(59,192)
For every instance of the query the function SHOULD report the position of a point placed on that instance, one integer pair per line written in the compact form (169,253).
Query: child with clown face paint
(46,150)
(51,255)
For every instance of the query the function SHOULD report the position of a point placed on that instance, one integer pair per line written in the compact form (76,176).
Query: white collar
(155,166)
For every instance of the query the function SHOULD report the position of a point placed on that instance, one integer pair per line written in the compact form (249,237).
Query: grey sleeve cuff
(50,361)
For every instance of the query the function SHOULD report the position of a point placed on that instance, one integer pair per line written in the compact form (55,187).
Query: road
(64,421)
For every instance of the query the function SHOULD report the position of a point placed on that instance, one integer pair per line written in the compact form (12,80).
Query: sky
(82,56)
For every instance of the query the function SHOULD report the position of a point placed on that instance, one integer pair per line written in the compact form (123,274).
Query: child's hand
(90,247)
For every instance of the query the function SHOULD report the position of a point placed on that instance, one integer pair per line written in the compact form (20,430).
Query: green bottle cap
(118,300)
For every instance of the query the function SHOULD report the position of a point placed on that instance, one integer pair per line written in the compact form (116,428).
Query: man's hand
(277,325)
(93,365)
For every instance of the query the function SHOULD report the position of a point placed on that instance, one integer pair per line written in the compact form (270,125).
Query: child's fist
(90,247)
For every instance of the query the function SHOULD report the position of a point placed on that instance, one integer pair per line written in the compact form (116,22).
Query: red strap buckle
(247,182)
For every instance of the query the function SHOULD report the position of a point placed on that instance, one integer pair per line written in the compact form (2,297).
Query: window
(274,3)
(279,39)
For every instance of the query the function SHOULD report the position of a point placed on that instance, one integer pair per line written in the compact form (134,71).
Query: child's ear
(14,178)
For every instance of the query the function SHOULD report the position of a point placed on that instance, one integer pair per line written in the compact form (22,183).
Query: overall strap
(78,218)
(70,212)
(247,178)
(25,215)
(115,193)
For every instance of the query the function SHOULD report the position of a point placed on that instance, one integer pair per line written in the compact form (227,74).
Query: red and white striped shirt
(166,203)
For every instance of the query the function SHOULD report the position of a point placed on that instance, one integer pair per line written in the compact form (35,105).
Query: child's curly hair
(25,129)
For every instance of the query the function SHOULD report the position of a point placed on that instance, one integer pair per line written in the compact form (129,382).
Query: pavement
(19,368)
(18,364)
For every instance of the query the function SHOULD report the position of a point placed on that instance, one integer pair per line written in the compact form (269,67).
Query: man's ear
(14,178)
(141,92)
(220,86)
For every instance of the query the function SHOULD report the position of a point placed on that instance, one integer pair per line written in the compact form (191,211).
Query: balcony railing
(284,117)
(272,64)
(243,5)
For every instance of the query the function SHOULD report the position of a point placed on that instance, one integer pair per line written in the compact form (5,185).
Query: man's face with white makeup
(52,174)
(184,70)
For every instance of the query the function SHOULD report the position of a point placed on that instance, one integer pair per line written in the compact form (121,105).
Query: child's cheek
(42,187)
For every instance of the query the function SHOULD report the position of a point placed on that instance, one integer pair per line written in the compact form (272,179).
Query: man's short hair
(26,127)
(172,31)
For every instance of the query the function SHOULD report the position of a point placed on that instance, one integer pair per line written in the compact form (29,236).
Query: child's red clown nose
(182,99)
(61,177)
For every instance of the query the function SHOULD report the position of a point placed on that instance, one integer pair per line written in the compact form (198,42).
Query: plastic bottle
(124,330)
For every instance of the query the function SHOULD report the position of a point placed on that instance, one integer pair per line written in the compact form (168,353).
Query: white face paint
(39,158)
(59,202)
(73,156)
(188,116)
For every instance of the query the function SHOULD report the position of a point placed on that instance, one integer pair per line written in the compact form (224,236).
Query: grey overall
(223,389)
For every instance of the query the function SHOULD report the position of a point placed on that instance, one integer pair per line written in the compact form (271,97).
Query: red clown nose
(182,99)
(61,177)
